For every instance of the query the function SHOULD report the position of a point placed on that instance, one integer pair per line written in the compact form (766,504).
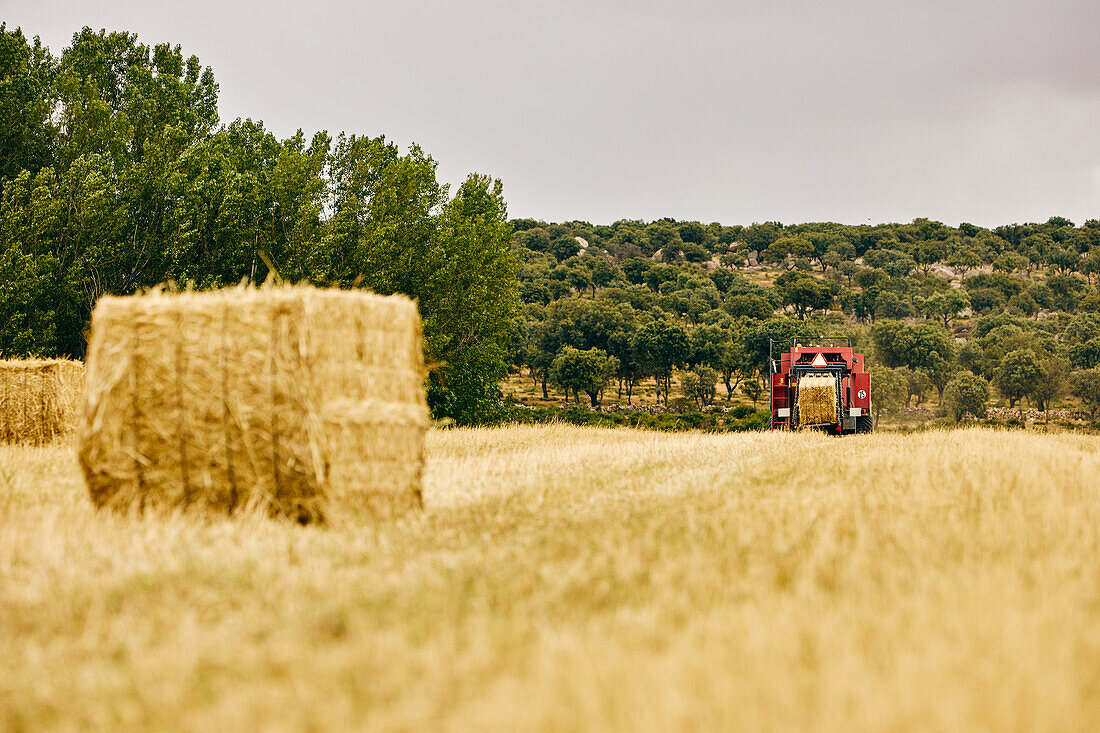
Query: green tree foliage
(1086,387)
(700,386)
(134,104)
(928,252)
(759,237)
(786,250)
(986,300)
(753,389)
(755,340)
(583,371)
(1090,265)
(1086,355)
(662,345)
(244,197)
(962,260)
(27,133)
(890,261)
(663,237)
(966,394)
(804,293)
(1019,375)
(732,365)
(945,305)
(1065,290)
(28,302)
(1082,328)
(892,304)
(468,299)
(1052,384)
(705,345)
(889,390)
(749,306)
(102,208)
(925,346)
(635,270)
(915,382)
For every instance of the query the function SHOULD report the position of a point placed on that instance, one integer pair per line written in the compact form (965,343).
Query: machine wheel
(865,423)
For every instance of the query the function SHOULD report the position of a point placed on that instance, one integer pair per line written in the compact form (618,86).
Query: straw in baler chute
(817,400)
(38,399)
(252,398)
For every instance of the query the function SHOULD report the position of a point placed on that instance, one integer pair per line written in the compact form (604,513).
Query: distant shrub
(966,394)
(740,419)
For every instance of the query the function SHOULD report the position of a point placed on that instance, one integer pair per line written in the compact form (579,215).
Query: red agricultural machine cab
(834,372)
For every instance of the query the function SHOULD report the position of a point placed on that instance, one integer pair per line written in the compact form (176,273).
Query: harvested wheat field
(563,578)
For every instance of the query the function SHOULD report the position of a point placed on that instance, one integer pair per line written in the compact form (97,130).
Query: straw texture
(38,399)
(817,400)
(297,401)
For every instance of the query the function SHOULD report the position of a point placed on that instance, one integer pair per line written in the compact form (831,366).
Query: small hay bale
(302,402)
(817,400)
(38,399)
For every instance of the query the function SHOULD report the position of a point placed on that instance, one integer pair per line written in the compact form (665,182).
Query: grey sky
(985,111)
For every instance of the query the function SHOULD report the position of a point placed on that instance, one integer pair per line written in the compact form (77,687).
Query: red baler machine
(794,360)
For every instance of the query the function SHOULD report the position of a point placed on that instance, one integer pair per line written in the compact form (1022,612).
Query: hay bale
(293,400)
(38,399)
(817,400)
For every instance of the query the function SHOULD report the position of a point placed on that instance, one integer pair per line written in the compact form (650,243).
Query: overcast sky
(856,111)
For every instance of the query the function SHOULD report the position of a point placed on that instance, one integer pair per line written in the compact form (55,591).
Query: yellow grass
(565,578)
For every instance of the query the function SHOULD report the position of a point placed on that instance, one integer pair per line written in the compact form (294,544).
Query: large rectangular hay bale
(817,402)
(39,399)
(300,401)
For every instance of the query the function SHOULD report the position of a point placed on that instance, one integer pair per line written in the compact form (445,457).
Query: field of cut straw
(564,578)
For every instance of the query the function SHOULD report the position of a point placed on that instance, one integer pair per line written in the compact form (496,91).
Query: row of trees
(116,175)
(621,342)
(868,288)
(911,360)
(968,393)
